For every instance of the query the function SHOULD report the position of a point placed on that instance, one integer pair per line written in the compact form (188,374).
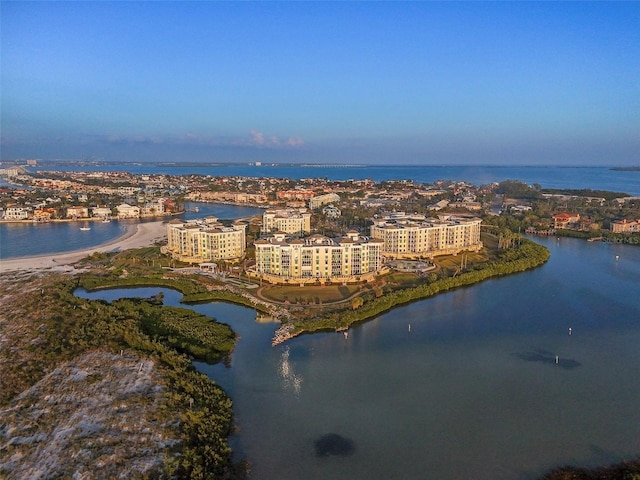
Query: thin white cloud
(135,139)
(77,145)
(260,139)
(295,142)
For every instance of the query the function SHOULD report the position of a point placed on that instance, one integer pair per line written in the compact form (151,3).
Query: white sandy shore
(137,236)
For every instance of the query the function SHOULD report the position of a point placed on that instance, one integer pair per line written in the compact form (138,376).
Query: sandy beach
(137,236)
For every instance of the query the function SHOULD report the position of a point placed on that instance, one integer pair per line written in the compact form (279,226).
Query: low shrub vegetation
(63,326)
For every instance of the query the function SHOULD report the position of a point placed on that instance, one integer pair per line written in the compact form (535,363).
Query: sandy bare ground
(92,417)
(137,236)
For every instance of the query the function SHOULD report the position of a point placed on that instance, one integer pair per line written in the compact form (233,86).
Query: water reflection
(445,400)
(548,358)
(290,380)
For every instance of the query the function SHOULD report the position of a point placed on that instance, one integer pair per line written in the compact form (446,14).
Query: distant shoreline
(30,221)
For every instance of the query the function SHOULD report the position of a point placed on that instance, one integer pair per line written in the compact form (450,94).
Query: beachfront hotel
(408,238)
(204,240)
(317,259)
(289,220)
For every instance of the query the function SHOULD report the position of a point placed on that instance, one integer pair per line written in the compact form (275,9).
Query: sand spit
(137,236)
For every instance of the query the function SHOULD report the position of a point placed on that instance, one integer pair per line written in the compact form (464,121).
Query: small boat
(84,229)
(106,220)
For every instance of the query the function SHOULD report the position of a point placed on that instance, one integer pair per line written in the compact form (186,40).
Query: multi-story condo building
(204,240)
(317,259)
(9,172)
(428,238)
(295,194)
(234,197)
(290,220)
(317,202)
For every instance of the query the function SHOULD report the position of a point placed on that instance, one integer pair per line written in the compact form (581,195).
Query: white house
(103,212)
(127,211)
(16,213)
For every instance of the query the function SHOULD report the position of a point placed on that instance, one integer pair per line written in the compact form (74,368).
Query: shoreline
(25,221)
(136,236)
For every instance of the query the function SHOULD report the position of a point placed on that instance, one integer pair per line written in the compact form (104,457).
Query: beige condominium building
(429,238)
(317,259)
(320,200)
(204,240)
(288,220)
(625,226)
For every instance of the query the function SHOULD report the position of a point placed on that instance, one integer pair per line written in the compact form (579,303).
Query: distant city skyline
(436,83)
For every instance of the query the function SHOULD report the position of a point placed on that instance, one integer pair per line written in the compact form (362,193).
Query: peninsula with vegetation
(112,384)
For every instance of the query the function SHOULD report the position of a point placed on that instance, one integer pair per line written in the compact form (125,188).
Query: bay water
(487,383)
(595,178)
(23,239)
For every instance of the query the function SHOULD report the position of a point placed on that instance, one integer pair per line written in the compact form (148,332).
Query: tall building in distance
(204,240)
(317,259)
(408,238)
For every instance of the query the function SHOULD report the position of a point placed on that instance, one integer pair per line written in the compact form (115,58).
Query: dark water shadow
(334,444)
(548,358)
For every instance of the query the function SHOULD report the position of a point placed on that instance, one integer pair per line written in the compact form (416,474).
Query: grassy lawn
(451,263)
(402,278)
(312,294)
(489,240)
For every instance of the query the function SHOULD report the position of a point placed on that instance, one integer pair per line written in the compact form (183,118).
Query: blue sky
(331,82)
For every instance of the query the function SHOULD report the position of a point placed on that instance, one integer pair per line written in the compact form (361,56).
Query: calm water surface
(472,391)
(28,238)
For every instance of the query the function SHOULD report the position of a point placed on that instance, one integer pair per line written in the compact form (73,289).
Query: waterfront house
(43,214)
(625,226)
(17,213)
(77,212)
(127,211)
(565,220)
(153,208)
(101,212)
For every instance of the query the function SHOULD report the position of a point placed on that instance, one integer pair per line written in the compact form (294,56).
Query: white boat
(106,220)
(84,229)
